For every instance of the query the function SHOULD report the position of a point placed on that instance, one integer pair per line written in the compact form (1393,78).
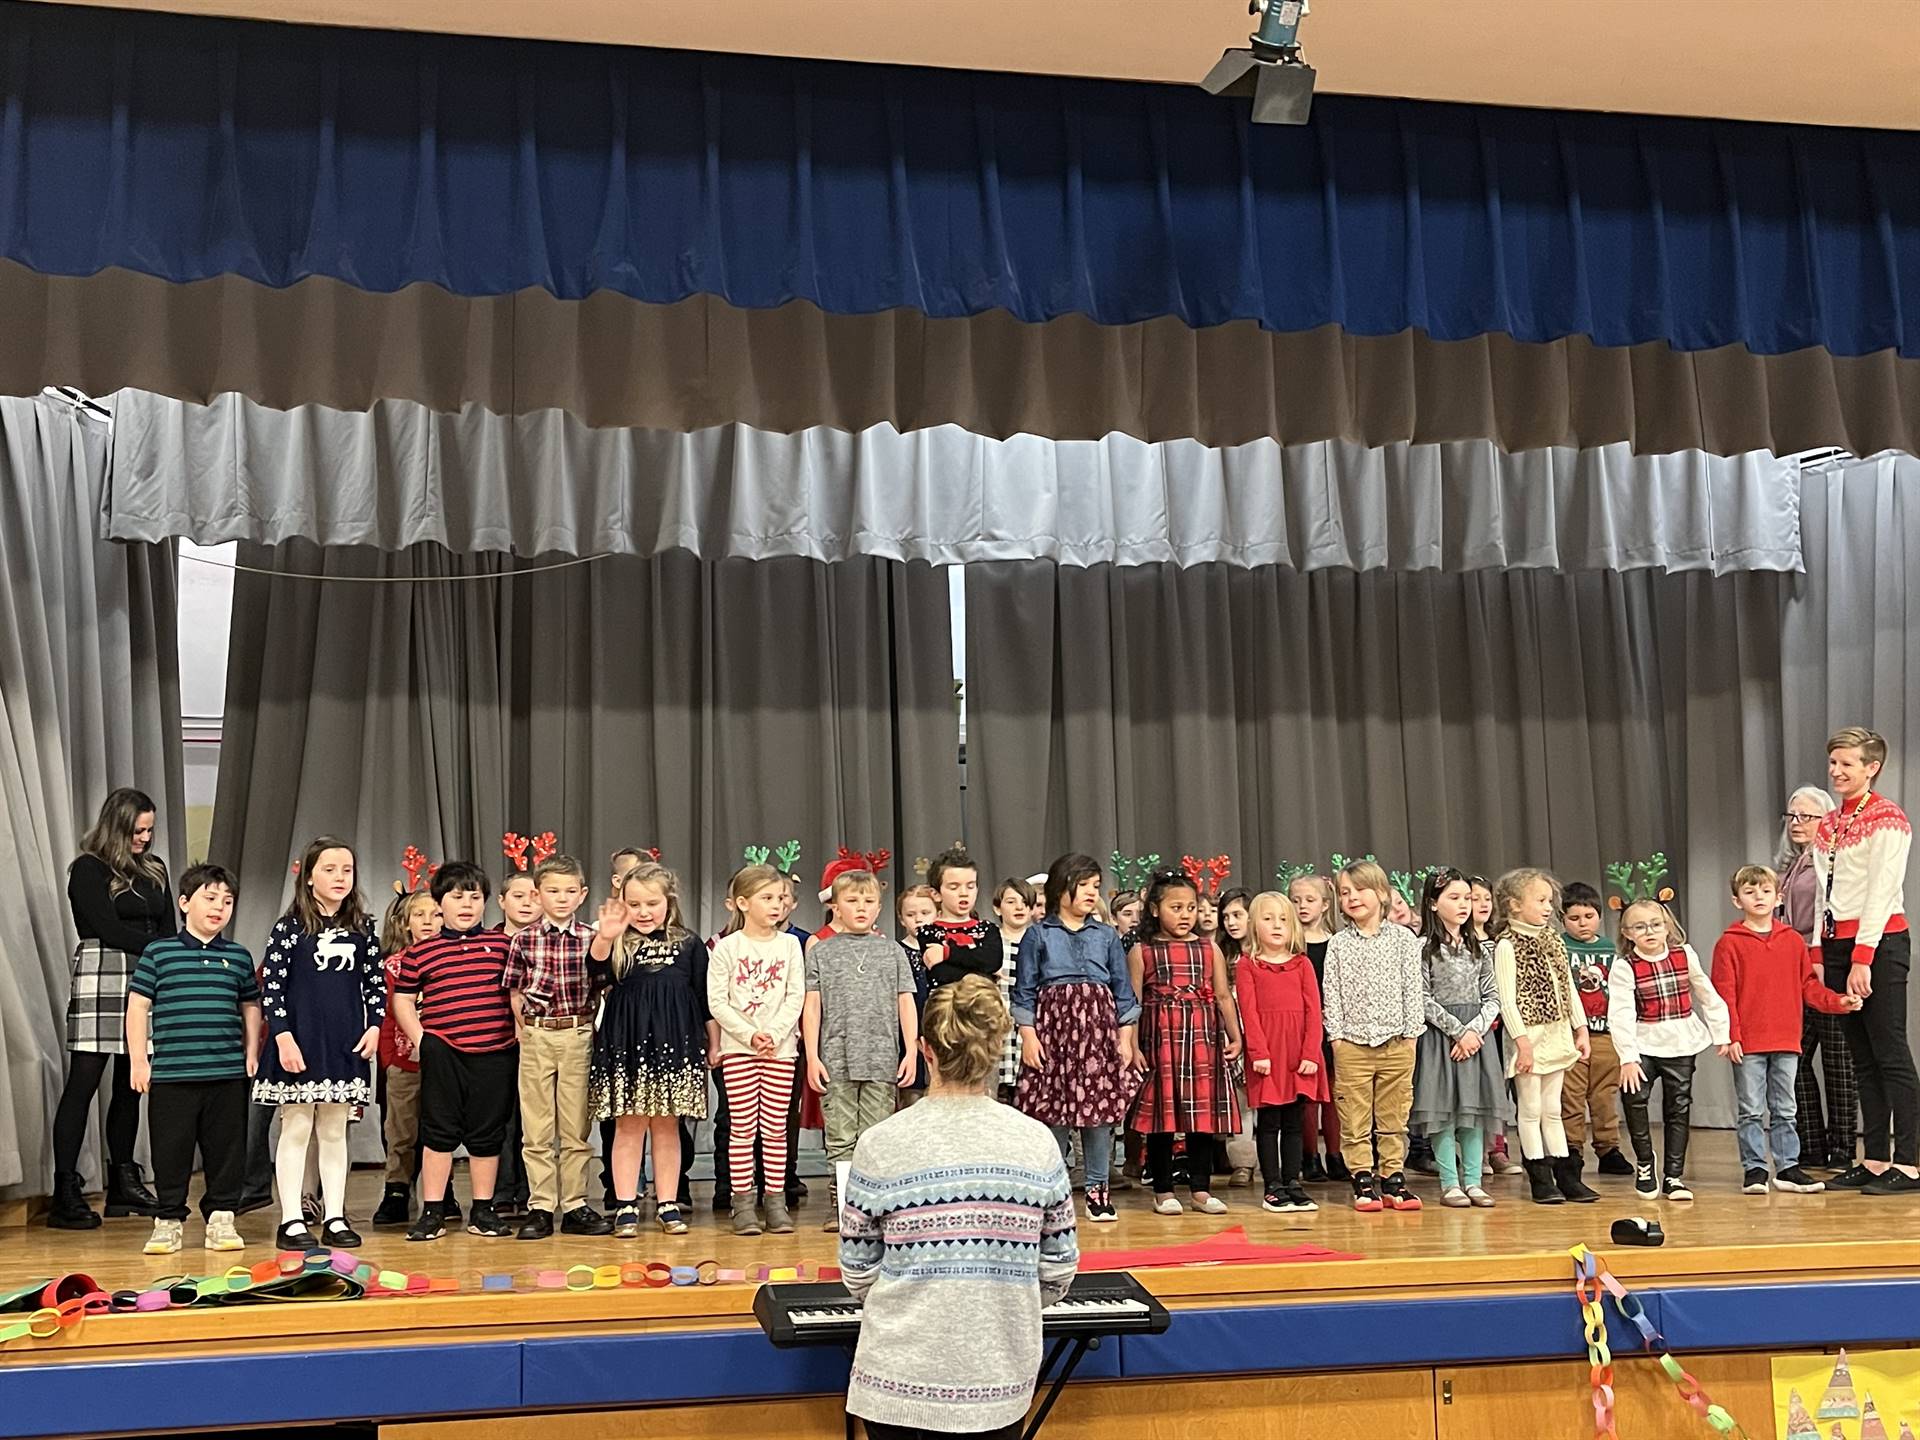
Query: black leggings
(1277,1141)
(84,1071)
(1160,1169)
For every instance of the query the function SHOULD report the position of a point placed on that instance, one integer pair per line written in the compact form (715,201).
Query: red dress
(1187,1089)
(1280,1020)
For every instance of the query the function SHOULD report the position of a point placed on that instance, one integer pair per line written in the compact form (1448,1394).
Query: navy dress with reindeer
(325,990)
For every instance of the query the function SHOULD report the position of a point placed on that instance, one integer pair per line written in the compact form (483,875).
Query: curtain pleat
(401,475)
(696,707)
(189,148)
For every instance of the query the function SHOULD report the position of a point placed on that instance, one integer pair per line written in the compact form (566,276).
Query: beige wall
(1835,62)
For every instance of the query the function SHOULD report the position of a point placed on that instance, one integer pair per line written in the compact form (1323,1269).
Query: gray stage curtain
(694,706)
(1484,720)
(400,474)
(89,699)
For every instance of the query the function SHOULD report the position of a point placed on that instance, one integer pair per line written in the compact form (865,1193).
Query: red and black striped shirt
(456,978)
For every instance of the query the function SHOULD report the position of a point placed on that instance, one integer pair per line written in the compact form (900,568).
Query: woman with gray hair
(1826,1137)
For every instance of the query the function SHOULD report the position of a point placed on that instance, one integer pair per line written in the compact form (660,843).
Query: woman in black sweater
(121,899)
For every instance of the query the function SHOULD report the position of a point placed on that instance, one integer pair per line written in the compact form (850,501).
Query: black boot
(1566,1175)
(127,1193)
(68,1209)
(396,1206)
(1540,1177)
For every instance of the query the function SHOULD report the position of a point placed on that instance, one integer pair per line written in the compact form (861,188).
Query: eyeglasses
(1794,817)
(1644,927)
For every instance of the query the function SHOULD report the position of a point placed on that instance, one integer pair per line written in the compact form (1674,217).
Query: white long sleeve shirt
(1707,1026)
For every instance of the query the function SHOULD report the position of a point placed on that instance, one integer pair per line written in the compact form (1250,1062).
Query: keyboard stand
(1074,1355)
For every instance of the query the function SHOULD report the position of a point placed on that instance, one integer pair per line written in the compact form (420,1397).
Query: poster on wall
(1871,1395)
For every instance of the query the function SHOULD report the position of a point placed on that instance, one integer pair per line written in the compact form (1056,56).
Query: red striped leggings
(758,1094)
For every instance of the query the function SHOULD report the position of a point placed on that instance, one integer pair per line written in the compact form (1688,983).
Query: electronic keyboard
(1105,1303)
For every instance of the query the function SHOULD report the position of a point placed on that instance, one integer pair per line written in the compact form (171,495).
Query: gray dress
(1460,996)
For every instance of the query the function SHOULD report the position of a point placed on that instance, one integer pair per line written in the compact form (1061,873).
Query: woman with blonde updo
(990,1183)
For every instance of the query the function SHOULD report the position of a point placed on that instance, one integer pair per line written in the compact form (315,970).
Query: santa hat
(846,863)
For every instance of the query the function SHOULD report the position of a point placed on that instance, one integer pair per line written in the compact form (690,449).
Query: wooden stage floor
(1518,1247)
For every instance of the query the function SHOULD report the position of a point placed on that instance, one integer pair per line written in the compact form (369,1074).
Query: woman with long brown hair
(117,887)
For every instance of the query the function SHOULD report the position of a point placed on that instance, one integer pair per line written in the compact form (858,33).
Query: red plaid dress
(1660,987)
(1187,1089)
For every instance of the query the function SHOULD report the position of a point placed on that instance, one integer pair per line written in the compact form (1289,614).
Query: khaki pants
(400,1124)
(1593,1085)
(851,1108)
(1373,1087)
(553,1112)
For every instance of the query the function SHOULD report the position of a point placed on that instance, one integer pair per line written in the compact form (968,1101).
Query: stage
(1431,1295)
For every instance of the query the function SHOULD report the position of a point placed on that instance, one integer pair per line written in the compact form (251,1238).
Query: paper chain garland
(1638,880)
(1590,1277)
(72,1298)
(514,847)
(784,857)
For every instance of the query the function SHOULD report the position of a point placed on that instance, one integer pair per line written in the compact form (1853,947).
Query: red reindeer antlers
(874,860)
(419,869)
(515,847)
(1207,875)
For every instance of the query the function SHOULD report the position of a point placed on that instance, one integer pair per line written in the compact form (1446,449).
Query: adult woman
(1827,1133)
(1860,865)
(950,1334)
(118,890)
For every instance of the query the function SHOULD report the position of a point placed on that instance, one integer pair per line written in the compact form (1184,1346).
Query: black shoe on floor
(1314,1171)
(1855,1177)
(294,1235)
(585,1221)
(69,1210)
(1566,1178)
(1796,1181)
(1753,1182)
(430,1225)
(1337,1169)
(484,1221)
(127,1193)
(722,1201)
(396,1206)
(450,1209)
(340,1235)
(1612,1162)
(1892,1182)
(537,1226)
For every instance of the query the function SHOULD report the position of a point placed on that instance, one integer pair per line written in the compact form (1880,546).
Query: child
(325,995)
(1663,1011)
(1280,1012)
(755,989)
(956,942)
(413,916)
(1483,922)
(1208,923)
(1766,974)
(457,1016)
(1548,1028)
(1233,1155)
(619,863)
(1014,901)
(1232,934)
(519,903)
(195,994)
(655,1044)
(1592,1085)
(553,991)
(1125,909)
(1400,911)
(519,908)
(1075,1007)
(1313,906)
(1187,1006)
(914,911)
(1374,1011)
(1459,1081)
(860,1022)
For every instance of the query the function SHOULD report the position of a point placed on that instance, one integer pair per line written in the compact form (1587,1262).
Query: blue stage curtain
(191,148)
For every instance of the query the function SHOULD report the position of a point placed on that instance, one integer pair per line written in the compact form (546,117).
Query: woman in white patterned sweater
(957,1220)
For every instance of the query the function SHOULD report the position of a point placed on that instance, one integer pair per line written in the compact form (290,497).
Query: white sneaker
(1168,1205)
(165,1239)
(221,1234)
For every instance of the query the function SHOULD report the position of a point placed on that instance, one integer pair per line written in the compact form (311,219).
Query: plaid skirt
(97,1004)
(1188,1089)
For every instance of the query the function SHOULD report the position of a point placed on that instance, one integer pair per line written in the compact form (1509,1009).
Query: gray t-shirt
(859,979)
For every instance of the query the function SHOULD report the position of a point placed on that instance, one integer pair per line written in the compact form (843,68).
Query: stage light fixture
(1270,70)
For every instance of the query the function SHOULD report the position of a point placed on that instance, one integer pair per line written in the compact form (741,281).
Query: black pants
(1277,1140)
(84,1072)
(1882,1059)
(207,1115)
(510,1182)
(1675,1074)
(877,1431)
(259,1162)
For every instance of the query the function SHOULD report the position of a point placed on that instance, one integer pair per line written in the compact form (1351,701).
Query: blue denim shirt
(1051,954)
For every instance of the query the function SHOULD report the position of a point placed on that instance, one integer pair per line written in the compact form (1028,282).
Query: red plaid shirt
(548,965)
(1661,990)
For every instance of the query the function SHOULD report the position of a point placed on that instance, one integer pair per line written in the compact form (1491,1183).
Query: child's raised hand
(1632,1077)
(613,920)
(817,1077)
(1309,1067)
(291,1060)
(1033,1055)
(1260,1067)
(369,1045)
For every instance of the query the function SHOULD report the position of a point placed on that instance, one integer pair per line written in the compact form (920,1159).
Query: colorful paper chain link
(77,1296)
(1590,1277)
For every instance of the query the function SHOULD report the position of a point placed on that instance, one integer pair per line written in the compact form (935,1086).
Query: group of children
(1169,1012)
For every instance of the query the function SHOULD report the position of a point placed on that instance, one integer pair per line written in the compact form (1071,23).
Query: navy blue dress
(325,990)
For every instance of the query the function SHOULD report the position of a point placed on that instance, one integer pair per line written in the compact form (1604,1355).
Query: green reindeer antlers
(782,857)
(1638,880)
(1286,872)
(1132,872)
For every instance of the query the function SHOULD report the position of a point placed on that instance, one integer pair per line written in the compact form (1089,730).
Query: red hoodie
(1765,979)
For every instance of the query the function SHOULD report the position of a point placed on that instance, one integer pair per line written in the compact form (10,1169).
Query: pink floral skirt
(1083,1082)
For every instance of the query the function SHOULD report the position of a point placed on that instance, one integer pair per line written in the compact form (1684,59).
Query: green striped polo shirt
(197,988)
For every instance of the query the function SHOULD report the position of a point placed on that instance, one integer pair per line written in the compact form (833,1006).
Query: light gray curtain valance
(400,474)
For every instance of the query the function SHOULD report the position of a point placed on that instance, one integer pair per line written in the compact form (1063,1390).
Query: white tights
(1541,1133)
(300,1124)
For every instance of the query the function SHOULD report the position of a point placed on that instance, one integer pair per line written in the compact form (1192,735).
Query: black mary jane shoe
(339,1234)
